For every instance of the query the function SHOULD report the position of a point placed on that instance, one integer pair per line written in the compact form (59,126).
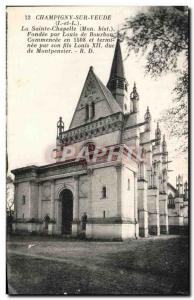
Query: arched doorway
(66,198)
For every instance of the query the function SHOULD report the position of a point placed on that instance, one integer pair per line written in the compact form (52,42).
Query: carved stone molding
(93,129)
(62,187)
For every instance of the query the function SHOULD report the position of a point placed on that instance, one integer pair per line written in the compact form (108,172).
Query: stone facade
(108,167)
(178,207)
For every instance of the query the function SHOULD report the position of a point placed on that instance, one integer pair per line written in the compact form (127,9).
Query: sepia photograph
(97,150)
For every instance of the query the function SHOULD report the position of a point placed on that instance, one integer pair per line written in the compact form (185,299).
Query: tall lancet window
(87,111)
(103,192)
(93,109)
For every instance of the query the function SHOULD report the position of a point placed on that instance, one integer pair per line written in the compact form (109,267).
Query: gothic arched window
(23,199)
(93,109)
(171,203)
(87,111)
(104,192)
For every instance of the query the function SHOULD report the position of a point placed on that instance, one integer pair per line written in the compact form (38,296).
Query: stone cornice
(70,174)
(26,169)
(67,169)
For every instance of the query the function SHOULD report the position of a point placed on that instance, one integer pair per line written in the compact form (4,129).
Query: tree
(161,34)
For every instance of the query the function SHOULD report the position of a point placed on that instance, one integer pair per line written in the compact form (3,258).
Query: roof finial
(164,146)
(147,115)
(158,132)
(134,94)
(60,127)
(118,34)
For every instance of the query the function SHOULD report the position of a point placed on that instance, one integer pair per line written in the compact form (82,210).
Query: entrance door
(67,211)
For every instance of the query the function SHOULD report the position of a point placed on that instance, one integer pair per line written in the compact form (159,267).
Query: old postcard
(97,150)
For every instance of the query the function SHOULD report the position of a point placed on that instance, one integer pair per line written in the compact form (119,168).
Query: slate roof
(115,107)
(117,69)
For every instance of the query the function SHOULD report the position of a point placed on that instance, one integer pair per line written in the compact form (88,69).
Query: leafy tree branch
(161,34)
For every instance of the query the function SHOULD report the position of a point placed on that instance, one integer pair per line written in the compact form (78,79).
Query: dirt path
(145,266)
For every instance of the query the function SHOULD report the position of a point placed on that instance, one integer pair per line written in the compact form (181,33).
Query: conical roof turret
(117,83)
(117,69)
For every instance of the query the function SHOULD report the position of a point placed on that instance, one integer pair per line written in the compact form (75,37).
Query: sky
(43,87)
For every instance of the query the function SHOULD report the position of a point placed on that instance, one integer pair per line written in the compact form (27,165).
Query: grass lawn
(55,266)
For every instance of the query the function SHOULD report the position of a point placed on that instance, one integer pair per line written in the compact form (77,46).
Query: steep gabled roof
(112,104)
(115,107)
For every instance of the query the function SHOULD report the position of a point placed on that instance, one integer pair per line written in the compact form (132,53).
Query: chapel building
(109,167)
